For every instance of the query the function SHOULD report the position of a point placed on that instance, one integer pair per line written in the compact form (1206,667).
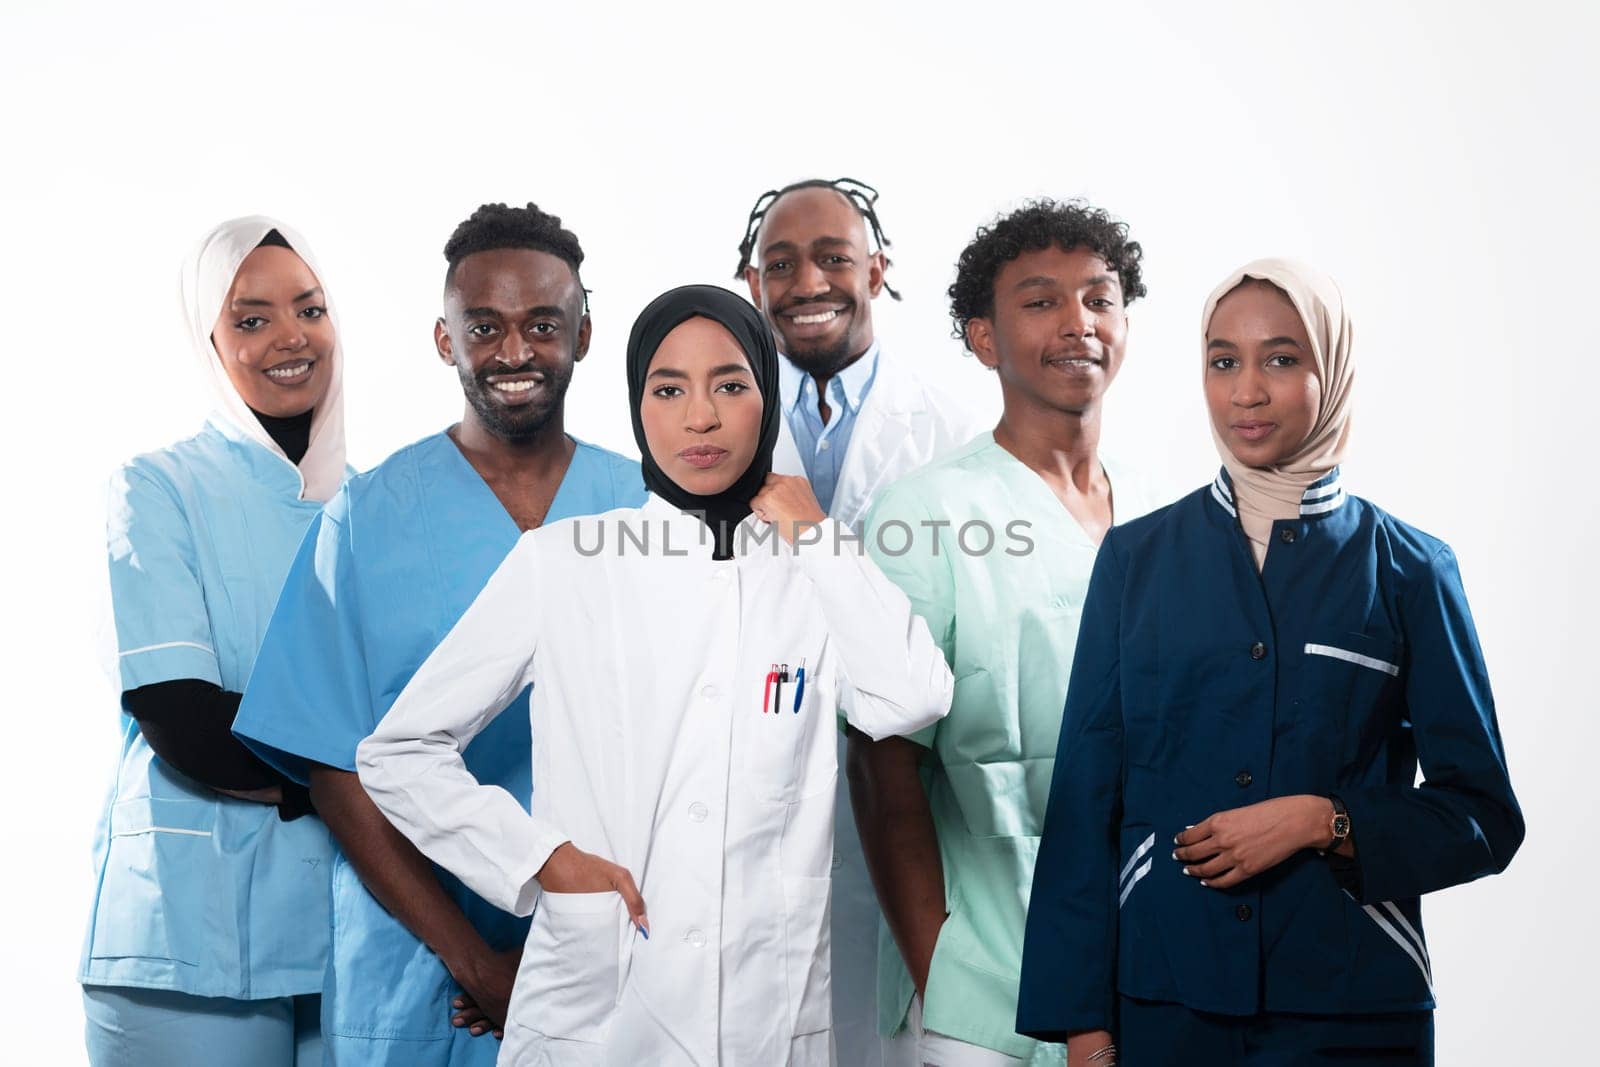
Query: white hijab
(208,274)
(1265,494)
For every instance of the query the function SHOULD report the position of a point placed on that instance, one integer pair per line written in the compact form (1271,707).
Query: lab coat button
(1286,535)
(698,811)
(1258,651)
(1243,913)
(1243,779)
(709,692)
(695,938)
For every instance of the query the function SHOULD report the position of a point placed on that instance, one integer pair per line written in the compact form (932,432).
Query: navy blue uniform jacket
(1200,685)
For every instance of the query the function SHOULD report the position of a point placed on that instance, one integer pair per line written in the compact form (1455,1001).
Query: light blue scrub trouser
(163,1028)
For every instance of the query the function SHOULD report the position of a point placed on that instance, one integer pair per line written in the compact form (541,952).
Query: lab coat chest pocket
(571,970)
(159,846)
(784,748)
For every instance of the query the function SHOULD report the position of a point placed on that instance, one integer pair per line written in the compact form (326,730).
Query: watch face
(1341,826)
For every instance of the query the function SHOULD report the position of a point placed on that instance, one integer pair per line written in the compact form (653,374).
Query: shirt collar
(855,380)
(1322,497)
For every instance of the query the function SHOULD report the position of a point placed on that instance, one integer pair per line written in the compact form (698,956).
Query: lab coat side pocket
(808,953)
(159,867)
(570,976)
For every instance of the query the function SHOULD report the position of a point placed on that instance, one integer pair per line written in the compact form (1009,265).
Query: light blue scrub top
(198,892)
(396,558)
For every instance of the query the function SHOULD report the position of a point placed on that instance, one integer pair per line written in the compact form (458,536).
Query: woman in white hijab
(208,937)
(1261,670)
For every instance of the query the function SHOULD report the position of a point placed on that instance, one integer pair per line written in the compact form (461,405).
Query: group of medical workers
(847,727)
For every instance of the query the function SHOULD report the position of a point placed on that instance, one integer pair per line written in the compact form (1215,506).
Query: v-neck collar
(1039,485)
(476,483)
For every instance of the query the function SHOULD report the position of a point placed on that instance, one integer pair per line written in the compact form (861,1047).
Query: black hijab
(723,512)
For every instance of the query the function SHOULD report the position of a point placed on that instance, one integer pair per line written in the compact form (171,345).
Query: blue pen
(799,685)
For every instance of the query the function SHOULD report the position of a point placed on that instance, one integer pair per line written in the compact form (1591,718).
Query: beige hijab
(1263,495)
(208,274)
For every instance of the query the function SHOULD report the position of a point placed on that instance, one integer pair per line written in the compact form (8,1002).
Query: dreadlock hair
(1037,225)
(862,197)
(495,226)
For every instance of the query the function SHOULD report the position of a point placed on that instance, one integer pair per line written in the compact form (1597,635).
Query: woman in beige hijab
(1235,844)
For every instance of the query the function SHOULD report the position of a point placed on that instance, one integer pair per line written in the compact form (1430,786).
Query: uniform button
(838,861)
(698,811)
(1286,535)
(824,446)
(1243,779)
(1258,651)
(710,692)
(1242,913)
(695,938)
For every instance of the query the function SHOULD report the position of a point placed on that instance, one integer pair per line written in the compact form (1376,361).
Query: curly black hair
(498,226)
(1037,225)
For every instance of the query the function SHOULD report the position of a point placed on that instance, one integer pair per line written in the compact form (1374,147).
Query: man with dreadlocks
(421,968)
(854,420)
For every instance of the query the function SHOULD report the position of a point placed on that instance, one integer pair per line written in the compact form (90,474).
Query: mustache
(811,301)
(531,370)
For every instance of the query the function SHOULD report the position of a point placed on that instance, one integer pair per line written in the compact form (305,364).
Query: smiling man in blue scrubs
(421,968)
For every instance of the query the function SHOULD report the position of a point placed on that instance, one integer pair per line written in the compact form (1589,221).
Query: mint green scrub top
(1007,621)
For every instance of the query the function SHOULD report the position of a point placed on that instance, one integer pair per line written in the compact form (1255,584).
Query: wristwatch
(1339,824)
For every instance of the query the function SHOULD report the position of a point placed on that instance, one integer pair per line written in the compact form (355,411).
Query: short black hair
(1037,225)
(495,226)
(862,197)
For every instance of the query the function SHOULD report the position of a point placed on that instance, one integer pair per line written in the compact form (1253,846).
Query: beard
(524,422)
(821,361)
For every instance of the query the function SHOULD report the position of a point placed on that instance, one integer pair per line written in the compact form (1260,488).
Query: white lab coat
(652,749)
(904,423)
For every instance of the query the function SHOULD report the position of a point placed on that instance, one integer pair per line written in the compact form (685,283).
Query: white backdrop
(1439,159)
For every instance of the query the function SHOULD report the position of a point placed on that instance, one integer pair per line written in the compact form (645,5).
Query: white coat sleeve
(893,678)
(412,767)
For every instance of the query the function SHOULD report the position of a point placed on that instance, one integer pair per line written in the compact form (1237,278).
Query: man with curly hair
(421,968)
(1001,543)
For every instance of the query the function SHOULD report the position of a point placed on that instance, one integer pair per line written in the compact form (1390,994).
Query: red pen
(767,687)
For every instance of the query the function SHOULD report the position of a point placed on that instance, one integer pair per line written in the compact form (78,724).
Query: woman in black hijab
(683,732)
(706,479)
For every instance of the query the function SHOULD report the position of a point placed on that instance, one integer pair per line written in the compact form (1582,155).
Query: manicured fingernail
(1174,856)
(1203,882)
(1186,871)
(1175,840)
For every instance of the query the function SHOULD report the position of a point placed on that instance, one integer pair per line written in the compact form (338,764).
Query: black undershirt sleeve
(189,724)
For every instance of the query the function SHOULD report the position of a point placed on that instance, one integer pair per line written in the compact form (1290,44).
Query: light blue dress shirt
(822,446)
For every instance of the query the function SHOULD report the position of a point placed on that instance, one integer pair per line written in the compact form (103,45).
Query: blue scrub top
(1200,685)
(396,558)
(198,892)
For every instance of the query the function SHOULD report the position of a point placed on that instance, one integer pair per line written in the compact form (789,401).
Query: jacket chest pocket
(783,741)
(1354,680)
